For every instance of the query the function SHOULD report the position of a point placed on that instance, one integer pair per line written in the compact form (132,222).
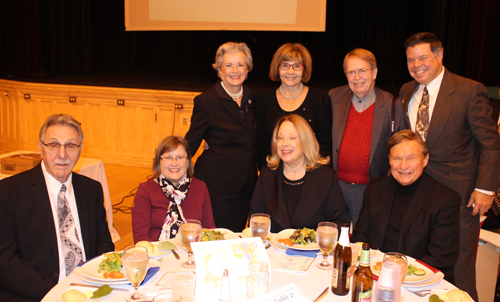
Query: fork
(420,293)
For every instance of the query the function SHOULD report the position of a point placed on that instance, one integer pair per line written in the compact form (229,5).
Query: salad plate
(83,290)
(83,277)
(285,234)
(409,279)
(228,234)
(158,253)
(91,270)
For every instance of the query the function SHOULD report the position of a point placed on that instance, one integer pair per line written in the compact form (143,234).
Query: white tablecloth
(90,167)
(311,284)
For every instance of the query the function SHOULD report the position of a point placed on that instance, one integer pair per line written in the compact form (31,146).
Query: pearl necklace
(293,96)
(235,96)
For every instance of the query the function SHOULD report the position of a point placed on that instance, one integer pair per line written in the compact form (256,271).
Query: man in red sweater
(361,129)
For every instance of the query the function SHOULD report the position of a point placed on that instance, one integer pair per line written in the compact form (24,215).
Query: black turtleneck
(400,203)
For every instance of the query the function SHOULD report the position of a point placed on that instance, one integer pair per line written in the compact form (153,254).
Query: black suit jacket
(29,260)
(229,165)
(381,130)
(463,142)
(430,229)
(321,199)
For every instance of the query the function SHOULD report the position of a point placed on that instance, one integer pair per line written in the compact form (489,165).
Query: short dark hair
(406,136)
(170,143)
(424,37)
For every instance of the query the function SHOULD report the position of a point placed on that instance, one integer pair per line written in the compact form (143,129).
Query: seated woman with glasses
(171,195)
(292,65)
(297,188)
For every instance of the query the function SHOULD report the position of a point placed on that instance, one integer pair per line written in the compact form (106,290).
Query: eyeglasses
(70,147)
(170,159)
(362,72)
(295,66)
(281,139)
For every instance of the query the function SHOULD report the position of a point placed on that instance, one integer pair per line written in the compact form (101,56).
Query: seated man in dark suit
(51,219)
(410,212)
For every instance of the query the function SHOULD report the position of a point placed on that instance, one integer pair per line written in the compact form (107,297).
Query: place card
(213,257)
(294,263)
(289,292)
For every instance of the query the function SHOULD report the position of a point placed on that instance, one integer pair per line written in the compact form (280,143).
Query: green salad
(112,262)
(303,236)
(211,235)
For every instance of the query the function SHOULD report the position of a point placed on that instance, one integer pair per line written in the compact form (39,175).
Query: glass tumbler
(257,280)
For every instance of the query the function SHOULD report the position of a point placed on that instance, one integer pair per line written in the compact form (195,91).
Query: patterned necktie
(422,124)
(68,234)
(495,206)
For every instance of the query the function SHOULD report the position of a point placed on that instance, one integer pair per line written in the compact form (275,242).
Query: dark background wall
(84,42)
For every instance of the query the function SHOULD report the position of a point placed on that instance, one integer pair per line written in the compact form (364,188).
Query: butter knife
(176,255)
(96,286)
(322,295)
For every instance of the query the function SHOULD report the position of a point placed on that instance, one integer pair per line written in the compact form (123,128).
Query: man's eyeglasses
(170,159)
(70,147)
(295,66)
(362,72)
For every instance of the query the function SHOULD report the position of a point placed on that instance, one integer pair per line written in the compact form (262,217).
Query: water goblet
(399,259)
(326,237)
(190,231)
(260,225)
(135,263)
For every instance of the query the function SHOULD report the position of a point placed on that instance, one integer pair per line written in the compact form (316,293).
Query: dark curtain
(89,36)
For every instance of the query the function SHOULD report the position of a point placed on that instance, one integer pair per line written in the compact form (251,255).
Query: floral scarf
(176,194)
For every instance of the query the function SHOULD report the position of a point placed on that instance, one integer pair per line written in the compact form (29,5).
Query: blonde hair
(291,52)
(310,145)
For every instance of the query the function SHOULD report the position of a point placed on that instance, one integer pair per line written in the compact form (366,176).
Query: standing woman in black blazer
(223,116)
(292,67)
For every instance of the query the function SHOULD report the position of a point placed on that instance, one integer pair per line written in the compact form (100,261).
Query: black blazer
(231,132)
(381,130)
(321,199)
(430,230)
(29,261)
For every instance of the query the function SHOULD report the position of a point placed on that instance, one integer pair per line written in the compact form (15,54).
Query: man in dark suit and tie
(51,219)
(362,126)
(453,116)
(410,212)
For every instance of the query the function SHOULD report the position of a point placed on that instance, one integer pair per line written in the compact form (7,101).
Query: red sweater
(354,153)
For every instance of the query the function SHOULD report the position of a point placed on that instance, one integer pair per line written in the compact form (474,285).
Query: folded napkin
(151,272)
(306,253)
(434,270)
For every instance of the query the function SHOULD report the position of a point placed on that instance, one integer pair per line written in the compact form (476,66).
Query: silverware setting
(420,293)
(97,286)
(322,295)
(176,255)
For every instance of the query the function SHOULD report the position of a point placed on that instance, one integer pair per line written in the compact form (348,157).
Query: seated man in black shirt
(408,211)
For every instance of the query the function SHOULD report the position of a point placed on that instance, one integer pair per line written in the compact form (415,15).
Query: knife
(176,255)
(322,295)
(95,286)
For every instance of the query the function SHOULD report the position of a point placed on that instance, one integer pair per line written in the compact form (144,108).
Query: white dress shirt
(53,188)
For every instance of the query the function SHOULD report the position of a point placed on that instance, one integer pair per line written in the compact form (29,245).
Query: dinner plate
(285,234)
(82,290)
(83,277)
(91,270)
(409,279)
(433,280)
(228,234)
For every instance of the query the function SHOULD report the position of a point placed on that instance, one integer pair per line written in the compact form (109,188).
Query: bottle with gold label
(362,280)
(342,258)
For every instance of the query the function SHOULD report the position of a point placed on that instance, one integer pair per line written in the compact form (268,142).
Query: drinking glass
(135,263)
(399,259)
(257,284)
(183,284)
(260,225)
(326,237)
(190,232)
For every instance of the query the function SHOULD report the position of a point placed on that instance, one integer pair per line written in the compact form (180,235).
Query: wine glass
(260,225)
(326,236)
(190,231)
(399,259)
(136,262)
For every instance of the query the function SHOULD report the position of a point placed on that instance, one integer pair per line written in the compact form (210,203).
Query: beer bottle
(362,280)
(342,258)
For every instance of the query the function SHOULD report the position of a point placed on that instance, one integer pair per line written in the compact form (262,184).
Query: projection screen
(258,15)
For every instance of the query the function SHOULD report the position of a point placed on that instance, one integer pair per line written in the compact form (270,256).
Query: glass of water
(257,280)
(326,236)
(260,225)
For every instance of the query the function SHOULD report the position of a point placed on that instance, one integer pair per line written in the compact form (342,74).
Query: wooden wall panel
(117,134)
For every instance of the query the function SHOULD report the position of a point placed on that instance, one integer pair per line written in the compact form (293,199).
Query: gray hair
(232,47)
(60,120)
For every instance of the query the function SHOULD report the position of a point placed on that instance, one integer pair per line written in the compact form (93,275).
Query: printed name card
(289,293)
